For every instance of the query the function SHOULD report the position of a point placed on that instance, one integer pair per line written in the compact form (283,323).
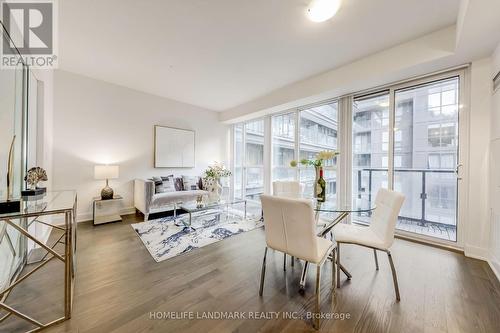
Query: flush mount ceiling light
(322,10)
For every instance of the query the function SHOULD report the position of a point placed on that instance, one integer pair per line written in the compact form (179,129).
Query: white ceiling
(219,54)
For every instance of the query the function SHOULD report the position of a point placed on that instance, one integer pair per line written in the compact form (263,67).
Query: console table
(61,203)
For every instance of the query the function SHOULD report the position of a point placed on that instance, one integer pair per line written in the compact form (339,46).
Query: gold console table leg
(69,235)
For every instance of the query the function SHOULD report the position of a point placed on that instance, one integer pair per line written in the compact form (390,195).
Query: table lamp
(106,172)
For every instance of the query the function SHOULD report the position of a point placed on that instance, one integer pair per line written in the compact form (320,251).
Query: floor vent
(496,82)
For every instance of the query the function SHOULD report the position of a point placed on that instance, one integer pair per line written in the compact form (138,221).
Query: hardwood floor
(119,288)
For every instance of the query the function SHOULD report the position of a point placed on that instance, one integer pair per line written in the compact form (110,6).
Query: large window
(238,160)
(319,131)
(370,137)
(283,136)
(404,137)
(254,159)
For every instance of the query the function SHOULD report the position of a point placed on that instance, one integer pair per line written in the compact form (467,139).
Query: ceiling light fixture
(322,10)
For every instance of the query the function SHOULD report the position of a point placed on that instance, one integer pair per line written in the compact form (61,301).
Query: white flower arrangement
(217,171)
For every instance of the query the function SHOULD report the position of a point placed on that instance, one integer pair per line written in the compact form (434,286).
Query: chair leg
(376,259)
(284,261)
(338,265)
(333,272)
(394,276)
(293,261)
(318,297)
(263,273)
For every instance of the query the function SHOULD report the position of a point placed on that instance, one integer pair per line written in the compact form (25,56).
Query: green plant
(322,156)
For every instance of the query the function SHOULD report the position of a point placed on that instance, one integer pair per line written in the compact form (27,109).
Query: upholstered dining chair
(288,188)
(379,236)
(290,228)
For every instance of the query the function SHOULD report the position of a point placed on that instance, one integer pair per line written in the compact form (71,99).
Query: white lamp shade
(106,171)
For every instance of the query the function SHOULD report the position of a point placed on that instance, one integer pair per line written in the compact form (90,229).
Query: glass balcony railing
(430,206)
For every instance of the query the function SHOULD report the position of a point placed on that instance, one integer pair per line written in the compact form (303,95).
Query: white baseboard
(495,267)
(483,254)
(476,252)
(87,216)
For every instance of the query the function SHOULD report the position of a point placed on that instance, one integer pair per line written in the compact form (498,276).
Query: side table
(106,211)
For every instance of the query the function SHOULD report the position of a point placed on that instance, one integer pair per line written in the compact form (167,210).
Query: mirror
(12,123)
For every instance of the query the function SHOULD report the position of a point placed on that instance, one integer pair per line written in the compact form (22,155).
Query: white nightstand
(106,211)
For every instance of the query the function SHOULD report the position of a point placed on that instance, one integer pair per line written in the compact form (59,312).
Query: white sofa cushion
(167,198)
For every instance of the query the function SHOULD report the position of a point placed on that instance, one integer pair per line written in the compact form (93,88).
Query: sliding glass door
(407,138)
(426,139)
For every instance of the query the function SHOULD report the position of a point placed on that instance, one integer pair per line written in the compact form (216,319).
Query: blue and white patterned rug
(165,240)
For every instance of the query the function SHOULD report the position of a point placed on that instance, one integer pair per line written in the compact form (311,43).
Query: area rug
(164,239)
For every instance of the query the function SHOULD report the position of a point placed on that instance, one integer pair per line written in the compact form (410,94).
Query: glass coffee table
(194,207)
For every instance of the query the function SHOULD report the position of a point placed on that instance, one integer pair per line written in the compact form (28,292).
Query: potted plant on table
(212,179)
(318,164)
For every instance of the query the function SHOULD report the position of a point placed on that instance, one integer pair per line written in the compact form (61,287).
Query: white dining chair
(290,227)
(288,188)
(379,236)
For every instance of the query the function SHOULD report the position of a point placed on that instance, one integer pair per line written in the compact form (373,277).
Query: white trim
(476,252)
(344,173)
(268,158)
(401,234)
(87,216)
(493,265)
(391,132)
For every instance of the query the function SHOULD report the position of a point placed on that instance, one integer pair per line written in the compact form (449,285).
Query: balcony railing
(436,209)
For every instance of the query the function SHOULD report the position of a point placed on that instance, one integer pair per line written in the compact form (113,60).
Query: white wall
(477,226)
(97,122)
(494,248)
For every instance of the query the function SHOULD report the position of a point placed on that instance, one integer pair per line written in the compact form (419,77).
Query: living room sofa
(148,202)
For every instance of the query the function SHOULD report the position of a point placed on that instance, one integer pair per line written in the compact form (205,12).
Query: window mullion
(297,142)
(392,121)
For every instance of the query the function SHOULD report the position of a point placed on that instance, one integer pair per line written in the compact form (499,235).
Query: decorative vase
(315,185)
(214,188)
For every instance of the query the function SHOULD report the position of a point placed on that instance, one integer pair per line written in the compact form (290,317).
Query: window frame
(344,140)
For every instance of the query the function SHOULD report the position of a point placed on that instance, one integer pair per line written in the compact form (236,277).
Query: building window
(318,131)
(362,142)
(441,161)
(441,135)
(283,142)
(443,100)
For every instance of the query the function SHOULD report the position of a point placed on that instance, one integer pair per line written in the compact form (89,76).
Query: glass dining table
(330,206)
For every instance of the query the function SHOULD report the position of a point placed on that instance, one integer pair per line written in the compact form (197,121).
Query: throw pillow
(158,184)
(191,183)
(179,185)
(168,184)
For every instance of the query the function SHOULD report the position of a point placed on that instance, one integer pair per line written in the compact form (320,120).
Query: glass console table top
(51,202)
